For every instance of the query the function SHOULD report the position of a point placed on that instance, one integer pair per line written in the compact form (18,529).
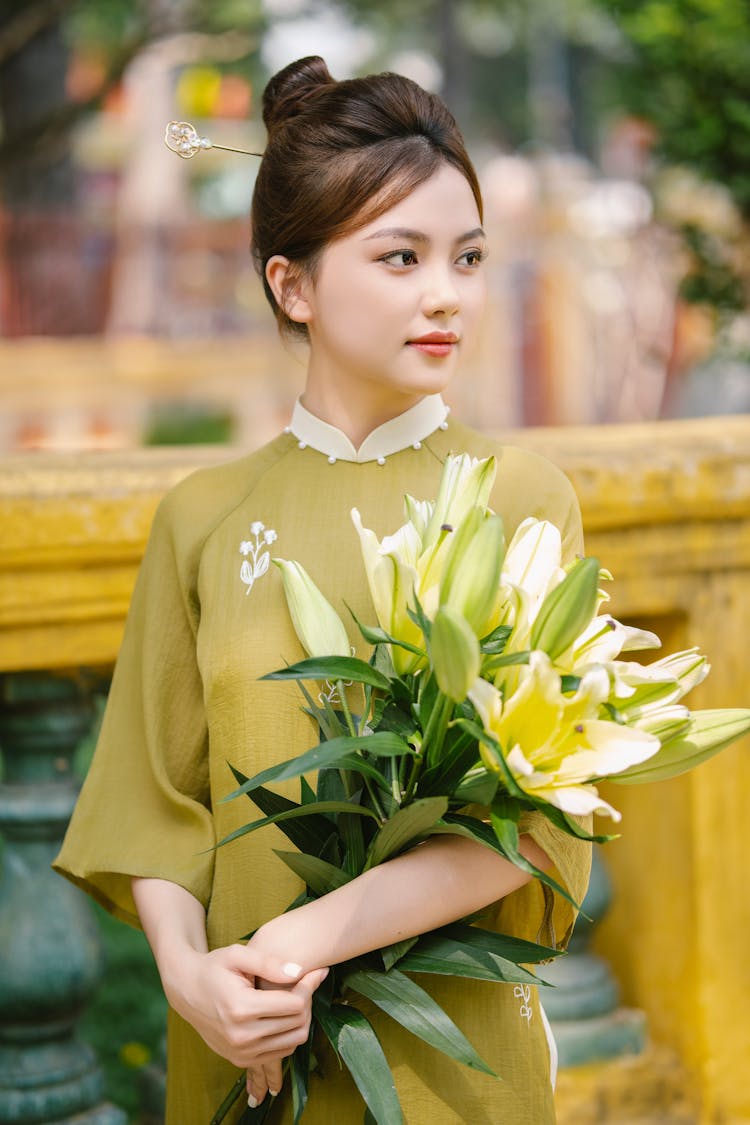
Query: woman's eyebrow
(418,236)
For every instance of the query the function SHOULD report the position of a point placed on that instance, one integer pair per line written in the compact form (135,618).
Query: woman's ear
(289,286)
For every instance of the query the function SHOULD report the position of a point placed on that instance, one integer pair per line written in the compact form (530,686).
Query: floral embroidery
(256,558)
(523,992)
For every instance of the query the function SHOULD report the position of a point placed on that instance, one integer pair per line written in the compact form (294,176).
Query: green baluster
(50,954)
(583,1007)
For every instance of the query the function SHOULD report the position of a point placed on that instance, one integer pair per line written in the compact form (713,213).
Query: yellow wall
(667,509)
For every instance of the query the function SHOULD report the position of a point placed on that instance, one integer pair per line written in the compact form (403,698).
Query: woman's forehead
(444,200)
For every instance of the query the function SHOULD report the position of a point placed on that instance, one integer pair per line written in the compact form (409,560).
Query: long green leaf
(382,744)
(320,877)
(405,826)
(300,810)
(299,1073)
(332,668)
(501,945)
(354,1040)
(308,833)
(504,814)
(463,961)
(412,1007)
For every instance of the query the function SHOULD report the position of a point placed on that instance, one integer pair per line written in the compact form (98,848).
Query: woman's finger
(257,1087)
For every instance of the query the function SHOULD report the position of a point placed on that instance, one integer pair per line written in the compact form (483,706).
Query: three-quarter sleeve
(144,809)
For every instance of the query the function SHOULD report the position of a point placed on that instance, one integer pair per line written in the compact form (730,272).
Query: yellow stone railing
(667,509)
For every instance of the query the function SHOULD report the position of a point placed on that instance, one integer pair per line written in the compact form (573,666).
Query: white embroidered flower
(256,558)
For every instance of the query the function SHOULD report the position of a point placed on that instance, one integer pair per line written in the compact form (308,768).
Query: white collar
(398,433)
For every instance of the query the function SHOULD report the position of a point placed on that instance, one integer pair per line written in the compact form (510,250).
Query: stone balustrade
(667,509)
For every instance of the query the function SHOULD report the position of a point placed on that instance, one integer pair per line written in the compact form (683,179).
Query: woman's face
(394,305)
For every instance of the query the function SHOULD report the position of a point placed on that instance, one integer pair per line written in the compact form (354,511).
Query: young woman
(367,231)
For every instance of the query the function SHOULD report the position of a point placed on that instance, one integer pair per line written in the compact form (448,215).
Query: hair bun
(288,91)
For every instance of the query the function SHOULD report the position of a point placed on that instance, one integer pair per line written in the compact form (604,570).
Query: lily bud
(471,578)
(567,610)
(316,623)
(465,483)
(708,733)
(454,652)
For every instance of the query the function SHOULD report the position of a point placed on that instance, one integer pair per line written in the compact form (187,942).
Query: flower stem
(377,807)
(432,742)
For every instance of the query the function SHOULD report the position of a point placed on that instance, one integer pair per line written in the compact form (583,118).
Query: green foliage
(690,75)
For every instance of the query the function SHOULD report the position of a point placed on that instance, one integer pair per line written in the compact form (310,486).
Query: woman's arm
(446,878)
(218,992)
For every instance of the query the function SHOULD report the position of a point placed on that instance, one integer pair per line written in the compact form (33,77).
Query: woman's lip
(433,347)
(435,343)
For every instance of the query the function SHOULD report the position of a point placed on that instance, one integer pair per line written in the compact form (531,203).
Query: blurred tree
(36,40)
(688,73)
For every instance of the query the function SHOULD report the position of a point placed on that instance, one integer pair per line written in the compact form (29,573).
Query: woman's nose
(440,296)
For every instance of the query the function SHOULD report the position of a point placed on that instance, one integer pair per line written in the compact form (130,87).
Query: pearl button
(417,445)
(331,460)
(302,444)
(381,460)
(287,429)
(443,425)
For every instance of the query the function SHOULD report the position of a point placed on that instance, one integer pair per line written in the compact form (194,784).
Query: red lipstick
(435,343)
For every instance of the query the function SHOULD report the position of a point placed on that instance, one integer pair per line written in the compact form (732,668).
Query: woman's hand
(218,994)
(265,1074)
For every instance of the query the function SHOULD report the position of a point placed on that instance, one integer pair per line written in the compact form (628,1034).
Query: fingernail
(252,1102)
(291,970)
(273,1093)
(325,974)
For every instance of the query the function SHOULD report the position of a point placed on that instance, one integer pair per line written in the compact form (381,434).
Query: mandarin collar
(407,429)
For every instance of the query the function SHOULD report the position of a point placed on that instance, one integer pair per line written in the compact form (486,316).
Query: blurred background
(613,143)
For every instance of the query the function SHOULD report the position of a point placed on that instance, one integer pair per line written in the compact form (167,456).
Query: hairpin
(182,138)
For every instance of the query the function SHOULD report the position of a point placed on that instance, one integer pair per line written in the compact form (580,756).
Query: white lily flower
(602,641)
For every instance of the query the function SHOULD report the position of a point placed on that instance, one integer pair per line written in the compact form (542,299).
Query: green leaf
(298,810)
(483,736)
(354,1040)
(459,755)
(319,876)
(504,813)
(309,833)
(382,744)
(500,945)
(405,826)
(506,660)
(299,1073)
(374,635)
(238,1087)
(332,668)
(453,959)
(495,642)
(412,1007)
(478,789)
(392,954)
(307,793)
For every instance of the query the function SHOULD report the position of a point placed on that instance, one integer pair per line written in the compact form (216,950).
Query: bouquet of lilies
(494,680)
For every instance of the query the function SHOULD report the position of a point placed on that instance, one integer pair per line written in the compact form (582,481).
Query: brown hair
(338,155)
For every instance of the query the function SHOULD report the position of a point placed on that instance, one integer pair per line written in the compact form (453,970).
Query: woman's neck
(359,413)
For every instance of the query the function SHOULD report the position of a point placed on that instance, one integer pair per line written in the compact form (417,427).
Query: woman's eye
(401,258)
(473,257)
